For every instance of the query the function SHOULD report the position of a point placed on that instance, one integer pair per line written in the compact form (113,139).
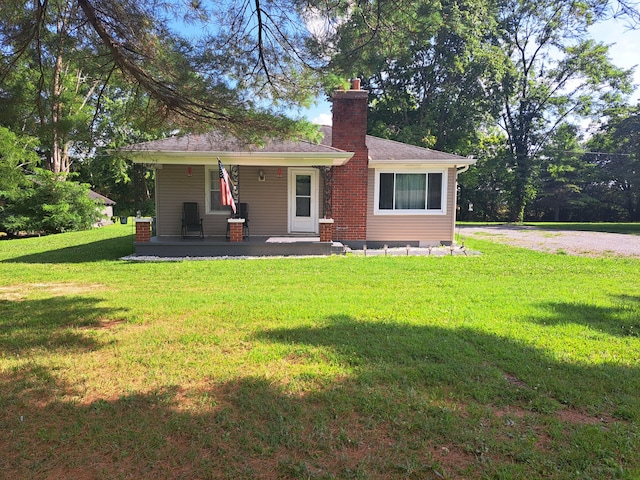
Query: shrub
(50,203)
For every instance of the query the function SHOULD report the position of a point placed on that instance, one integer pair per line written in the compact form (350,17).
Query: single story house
(351,188)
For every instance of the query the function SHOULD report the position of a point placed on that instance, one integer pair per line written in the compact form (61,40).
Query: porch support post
(326,229)
(235,229)
(143,229)
(327,193)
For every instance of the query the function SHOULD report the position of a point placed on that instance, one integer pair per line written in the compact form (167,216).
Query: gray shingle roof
(216,142)
(390,151)
(381,151)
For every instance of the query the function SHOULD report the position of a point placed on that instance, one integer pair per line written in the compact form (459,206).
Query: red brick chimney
(350,181)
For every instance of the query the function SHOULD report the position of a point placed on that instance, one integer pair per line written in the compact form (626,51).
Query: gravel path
(593,244)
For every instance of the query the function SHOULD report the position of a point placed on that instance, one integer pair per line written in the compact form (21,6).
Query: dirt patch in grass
(104,324)
(16,293)
(451,459)
(569,415)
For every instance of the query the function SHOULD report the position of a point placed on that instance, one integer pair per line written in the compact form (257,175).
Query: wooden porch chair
(191,221)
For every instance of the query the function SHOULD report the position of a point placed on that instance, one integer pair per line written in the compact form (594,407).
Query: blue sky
(624,51)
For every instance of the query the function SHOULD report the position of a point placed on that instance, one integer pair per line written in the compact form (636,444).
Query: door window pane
(303,206)
(303,185)
(303,195)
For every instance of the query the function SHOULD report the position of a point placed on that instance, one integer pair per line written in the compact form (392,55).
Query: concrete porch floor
(221,247)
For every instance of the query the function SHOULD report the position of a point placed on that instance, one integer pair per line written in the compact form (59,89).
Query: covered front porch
(236,243)
(284,187)
(255,246)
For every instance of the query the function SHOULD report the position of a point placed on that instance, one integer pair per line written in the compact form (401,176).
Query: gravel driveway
(593,244)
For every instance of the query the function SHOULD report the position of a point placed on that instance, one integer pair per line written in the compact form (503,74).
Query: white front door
(303,200)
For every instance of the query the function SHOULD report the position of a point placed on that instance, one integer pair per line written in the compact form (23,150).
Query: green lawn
(511,364)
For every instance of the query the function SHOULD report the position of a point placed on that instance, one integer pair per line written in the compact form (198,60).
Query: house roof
(383,152)
(207,148)
(96,196)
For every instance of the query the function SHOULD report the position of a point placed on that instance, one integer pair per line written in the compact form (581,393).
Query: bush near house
(48,203)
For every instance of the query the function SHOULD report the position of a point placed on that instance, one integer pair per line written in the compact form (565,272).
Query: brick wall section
(326,230)
(143,230)
(235,231)
(350,184)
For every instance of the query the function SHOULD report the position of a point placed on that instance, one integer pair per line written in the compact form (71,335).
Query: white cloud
(322,119)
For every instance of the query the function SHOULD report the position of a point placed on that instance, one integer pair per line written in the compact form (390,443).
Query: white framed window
(212,193)
(417,192)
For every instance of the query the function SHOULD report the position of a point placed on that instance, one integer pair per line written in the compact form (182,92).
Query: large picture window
(410,192)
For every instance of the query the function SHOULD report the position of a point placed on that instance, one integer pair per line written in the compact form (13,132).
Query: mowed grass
(510,364)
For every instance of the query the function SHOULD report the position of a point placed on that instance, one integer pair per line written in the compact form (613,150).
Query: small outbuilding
(106,208)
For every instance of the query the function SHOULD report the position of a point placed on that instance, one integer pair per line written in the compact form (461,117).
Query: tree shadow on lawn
(473,363)
(622,320)
(54,323)
(101,250)
(421,402)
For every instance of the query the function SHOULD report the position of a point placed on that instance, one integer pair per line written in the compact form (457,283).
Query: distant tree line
(576,180)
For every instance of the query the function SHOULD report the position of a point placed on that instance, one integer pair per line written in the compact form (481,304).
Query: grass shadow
(101,250)
(621,320)
(420,402)
(474,364)
(55,323)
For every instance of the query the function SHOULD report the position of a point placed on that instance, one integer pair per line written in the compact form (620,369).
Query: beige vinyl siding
(266,201)
(173,187)
(428,229)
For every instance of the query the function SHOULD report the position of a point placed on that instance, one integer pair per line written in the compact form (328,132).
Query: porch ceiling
(288,159)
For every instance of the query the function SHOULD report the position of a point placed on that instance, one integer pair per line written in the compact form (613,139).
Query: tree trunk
(522,180)
(59,162)
(56,115)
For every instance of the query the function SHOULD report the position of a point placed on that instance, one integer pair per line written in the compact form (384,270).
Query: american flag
(226,197)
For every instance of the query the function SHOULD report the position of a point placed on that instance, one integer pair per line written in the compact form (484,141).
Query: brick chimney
(350,181)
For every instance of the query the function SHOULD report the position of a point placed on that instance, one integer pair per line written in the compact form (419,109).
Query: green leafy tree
(130,185)
(423,63)
(49,204)
(59,57)
(17,154)
(37,200)
(552,73)
(616,158)
(564,173)
(485,189)
(50,87)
